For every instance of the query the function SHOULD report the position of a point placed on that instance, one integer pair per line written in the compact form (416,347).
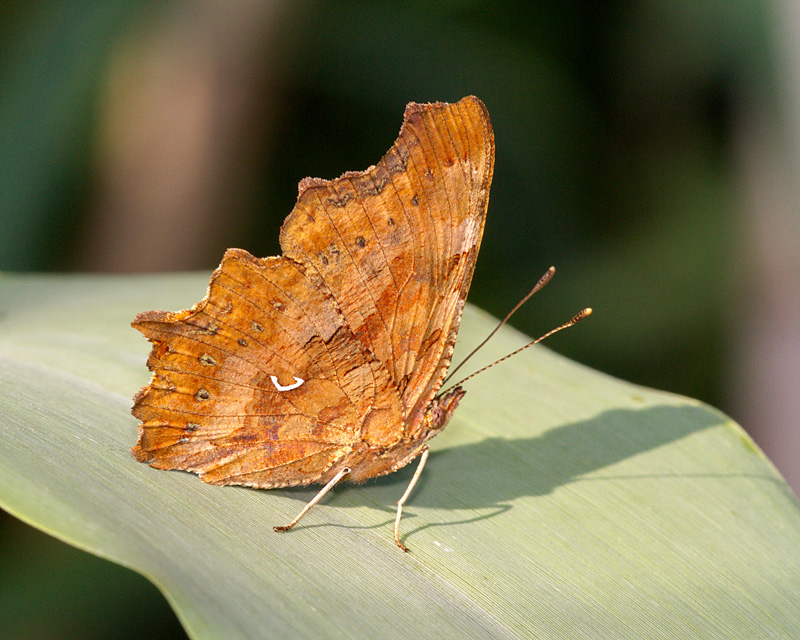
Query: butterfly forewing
(396,245)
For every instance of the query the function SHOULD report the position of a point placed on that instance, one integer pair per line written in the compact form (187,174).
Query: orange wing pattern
(291,363)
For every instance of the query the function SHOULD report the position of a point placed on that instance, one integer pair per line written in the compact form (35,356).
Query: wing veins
(310,317)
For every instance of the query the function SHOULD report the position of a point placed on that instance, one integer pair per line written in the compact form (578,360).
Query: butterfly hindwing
(213,406)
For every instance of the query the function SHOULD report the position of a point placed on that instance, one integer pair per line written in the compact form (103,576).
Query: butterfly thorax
(368,461)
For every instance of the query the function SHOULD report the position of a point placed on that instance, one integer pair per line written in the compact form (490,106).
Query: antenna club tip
(581,315)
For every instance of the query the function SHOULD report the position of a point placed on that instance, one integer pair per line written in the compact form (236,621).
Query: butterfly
(325,363)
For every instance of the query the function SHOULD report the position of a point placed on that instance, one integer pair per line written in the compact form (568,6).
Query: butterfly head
(438,412)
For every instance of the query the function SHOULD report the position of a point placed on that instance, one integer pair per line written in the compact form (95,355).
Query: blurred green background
(649,150)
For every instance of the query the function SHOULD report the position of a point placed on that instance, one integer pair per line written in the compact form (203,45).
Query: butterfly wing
(224,400)
(396,245)
(362,308)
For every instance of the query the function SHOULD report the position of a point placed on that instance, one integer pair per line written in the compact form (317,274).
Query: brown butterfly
(324,363)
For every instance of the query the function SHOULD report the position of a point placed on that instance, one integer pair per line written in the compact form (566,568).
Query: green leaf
(558,503)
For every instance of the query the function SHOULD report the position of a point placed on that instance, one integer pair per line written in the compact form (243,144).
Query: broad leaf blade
(558,503)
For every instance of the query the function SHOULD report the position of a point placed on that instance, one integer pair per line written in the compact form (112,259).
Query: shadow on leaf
(486,474)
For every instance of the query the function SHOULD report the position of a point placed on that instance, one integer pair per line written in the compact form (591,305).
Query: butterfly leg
(333,482)
(423,458)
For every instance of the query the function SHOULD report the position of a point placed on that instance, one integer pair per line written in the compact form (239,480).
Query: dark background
(647,149)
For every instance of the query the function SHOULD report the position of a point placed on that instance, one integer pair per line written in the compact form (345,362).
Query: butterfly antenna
(542,281)
(574,320)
